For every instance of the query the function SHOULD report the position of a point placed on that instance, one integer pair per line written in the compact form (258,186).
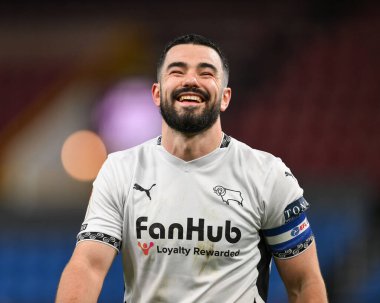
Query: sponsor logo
(145,247)
(197,252)
(180,250)
(192,229)
(228,195)
(173,250)
(216,253)
(140,188)
(296,230)
(294,209)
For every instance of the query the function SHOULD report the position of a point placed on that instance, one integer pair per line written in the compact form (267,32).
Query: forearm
(310,292)
(79,283)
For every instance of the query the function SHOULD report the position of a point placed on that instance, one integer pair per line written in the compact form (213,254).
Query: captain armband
(291,239)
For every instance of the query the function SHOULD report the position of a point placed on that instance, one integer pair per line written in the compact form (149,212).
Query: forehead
(193,54)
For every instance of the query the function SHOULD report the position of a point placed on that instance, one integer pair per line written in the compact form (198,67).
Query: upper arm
(301,276)
(83,276)
(299,268)
(104,217)
(285,225)
(95,256)
(289,236)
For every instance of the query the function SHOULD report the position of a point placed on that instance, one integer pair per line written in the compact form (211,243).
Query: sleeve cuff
(100,237)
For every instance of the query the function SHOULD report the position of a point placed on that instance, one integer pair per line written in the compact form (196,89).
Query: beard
(189,122)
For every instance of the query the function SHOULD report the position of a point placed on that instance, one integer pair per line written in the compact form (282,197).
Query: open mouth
(190,98)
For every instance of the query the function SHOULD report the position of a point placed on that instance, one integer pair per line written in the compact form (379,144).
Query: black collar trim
(225,142)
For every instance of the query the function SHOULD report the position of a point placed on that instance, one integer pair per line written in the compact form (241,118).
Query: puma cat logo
(140,188)
(287,174)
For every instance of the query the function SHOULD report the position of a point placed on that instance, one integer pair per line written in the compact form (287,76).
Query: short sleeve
(104,217)
(285,225)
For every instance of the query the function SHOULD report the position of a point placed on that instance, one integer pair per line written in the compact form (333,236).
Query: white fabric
(289,234)
(232,191)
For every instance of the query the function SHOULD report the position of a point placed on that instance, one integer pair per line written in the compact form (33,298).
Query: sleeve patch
(102,237)
(294,209)
(288,237)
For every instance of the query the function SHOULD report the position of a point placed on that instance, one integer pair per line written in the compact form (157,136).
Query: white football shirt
(197,231)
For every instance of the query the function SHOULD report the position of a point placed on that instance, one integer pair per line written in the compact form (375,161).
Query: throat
(187,151)
(189,148)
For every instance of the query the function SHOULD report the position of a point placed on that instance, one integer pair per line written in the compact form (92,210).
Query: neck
(189,147)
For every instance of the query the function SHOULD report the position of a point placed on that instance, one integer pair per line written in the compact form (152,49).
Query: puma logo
(287,174)
(140,188)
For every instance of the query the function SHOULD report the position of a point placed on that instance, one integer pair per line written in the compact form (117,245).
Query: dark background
(305,81)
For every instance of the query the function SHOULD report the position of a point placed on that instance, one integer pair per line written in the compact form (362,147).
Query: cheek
(168,88)
(164,94)
(215,89)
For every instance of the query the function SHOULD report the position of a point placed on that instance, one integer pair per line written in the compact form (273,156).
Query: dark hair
(197,40)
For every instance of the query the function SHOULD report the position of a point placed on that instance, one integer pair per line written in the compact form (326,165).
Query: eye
(206,74)
(175,72)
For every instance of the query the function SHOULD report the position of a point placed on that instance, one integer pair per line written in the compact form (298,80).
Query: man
(196,214)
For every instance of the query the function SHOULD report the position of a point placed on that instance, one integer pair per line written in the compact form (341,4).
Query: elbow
(309,291)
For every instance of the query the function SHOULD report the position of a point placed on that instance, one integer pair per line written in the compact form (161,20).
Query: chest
(187,207)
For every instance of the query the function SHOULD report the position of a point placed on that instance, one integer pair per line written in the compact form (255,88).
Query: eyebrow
(207,65)
(200,65)
(176,64)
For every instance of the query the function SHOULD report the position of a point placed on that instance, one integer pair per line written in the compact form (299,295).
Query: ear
(156,94)
(225,99)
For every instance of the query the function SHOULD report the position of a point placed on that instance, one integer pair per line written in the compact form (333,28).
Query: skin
(186,66)
(189,72)
(302,277)
(82,278)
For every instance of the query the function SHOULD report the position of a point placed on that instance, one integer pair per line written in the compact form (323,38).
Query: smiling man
(196,214)
(191,88)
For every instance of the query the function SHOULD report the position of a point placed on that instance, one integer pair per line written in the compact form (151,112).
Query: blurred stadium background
(75,82)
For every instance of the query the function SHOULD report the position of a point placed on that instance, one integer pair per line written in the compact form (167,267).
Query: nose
(190,80)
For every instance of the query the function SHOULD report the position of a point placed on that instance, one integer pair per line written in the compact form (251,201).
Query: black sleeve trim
(116,243)
(289,253)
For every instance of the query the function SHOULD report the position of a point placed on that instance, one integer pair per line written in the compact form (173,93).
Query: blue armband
(290,239)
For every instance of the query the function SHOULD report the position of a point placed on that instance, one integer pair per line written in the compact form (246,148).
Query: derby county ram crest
(228,195)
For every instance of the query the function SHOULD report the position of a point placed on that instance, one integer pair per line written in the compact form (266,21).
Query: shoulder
(121,163)
(260,159)
(265,169)
(133,152)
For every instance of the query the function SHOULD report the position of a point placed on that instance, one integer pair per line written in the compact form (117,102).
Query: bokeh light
(83,153)
(127,116)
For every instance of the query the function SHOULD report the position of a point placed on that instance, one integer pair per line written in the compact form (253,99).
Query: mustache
(175,94)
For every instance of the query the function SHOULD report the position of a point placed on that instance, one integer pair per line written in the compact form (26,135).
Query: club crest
(228,195)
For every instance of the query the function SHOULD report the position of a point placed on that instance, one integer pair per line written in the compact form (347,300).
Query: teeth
(191,98)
